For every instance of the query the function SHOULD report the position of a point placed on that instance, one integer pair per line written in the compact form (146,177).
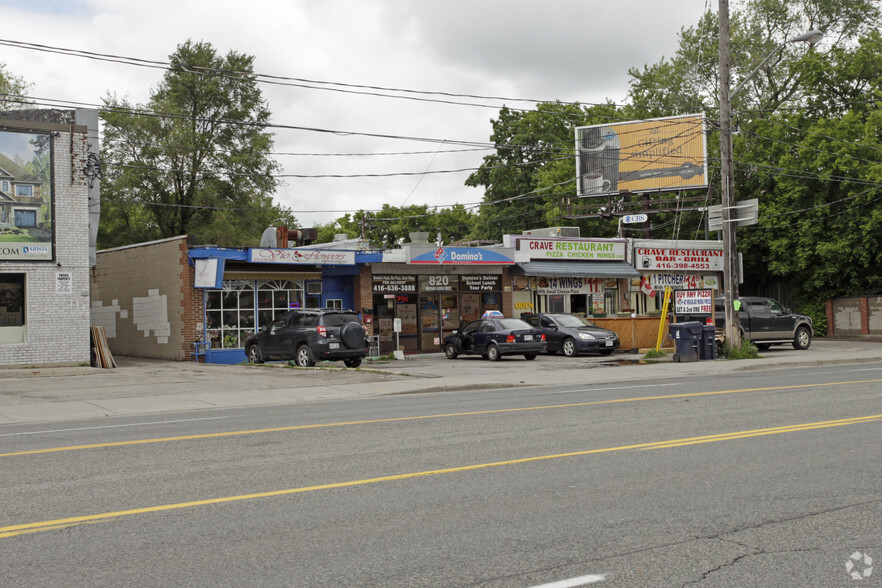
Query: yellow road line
(14,530)
(419,417)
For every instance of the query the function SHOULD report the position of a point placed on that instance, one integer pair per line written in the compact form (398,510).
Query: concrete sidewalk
(144,386)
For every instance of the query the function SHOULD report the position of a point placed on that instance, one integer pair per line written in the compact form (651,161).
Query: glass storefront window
(229,313)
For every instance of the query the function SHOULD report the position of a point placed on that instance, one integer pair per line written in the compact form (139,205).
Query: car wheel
(450,351)
(802,339)
(304,356)
(530,356)
(569,347)
(765,346)
(352,363)
(493,353)
(253,354)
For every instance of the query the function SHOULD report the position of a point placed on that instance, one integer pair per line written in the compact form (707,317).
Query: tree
(13,90)
(195,159)
(806,142)
(533,169)
(392,225)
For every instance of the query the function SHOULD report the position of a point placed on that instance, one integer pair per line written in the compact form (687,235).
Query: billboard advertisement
(642,156)
(25,197)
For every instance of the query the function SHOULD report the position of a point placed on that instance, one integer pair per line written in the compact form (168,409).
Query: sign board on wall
(393,283)
(670,258)
(682,281)
(573,249)
(693,302)
(569,285)
(642,156)
(461,256)
(305,256)
(26,207)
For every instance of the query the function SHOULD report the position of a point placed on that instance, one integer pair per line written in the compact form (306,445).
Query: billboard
(26,197)
(642,156)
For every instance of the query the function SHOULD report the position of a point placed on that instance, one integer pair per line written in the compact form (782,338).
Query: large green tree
(195,159)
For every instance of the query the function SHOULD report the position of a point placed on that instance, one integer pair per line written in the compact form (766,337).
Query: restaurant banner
(572,249)
(671,258)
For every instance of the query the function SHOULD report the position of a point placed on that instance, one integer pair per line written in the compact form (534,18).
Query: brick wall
(57,324)
(143,296)
(363,293)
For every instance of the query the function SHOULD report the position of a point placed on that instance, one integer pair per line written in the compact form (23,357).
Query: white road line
(572,582)
(110,426)
(619,388)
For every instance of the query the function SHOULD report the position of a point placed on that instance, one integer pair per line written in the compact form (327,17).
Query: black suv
(308,335)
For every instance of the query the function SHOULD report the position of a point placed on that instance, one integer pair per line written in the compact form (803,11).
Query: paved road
(141,386)
(753,477)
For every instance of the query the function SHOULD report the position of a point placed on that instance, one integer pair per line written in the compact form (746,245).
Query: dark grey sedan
(572,335)
(493,338)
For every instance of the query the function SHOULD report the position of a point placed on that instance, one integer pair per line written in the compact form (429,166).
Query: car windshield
(340,319)
(573,321)
(513,324)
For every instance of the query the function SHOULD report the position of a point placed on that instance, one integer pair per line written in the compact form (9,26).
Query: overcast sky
(571,50)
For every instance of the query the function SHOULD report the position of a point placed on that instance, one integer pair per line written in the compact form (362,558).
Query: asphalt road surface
(760,478)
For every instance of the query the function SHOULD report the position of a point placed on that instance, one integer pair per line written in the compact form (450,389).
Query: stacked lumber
(101,355)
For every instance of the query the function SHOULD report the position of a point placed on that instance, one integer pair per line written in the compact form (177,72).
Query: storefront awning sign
(670,258)
(461,256)
(572,249)
(301,256)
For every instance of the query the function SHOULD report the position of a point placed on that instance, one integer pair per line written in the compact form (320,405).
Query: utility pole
(727,181)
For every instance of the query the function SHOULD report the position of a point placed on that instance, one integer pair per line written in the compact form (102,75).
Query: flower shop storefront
(244,290)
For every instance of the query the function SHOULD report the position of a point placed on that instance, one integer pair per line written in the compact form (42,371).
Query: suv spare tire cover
(352,335)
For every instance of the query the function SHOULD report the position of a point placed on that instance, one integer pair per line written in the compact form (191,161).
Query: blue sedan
(495,337)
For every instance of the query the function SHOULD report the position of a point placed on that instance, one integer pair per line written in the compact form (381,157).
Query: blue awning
(585,269)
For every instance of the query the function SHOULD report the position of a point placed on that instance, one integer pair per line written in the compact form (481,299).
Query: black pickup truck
(764,322)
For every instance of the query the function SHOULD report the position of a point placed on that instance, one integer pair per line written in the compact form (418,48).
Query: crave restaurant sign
(572,249)
(668,258)
(307,256)
(461,256)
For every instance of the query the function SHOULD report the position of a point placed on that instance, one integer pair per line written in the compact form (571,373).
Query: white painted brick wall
(58,324)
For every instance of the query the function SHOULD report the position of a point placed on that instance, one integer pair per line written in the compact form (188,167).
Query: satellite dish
(268,239)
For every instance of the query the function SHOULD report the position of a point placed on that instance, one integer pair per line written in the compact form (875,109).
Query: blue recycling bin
(708,349)
(687,339)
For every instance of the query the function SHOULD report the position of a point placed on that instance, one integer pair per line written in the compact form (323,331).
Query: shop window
(230,312)
(12,308)
(275,297)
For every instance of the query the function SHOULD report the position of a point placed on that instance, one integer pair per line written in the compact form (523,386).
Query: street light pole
(727,175)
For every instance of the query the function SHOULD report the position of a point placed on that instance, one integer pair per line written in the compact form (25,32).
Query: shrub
(747,350)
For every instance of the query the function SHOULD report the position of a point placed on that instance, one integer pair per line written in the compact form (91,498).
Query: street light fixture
(730,251)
